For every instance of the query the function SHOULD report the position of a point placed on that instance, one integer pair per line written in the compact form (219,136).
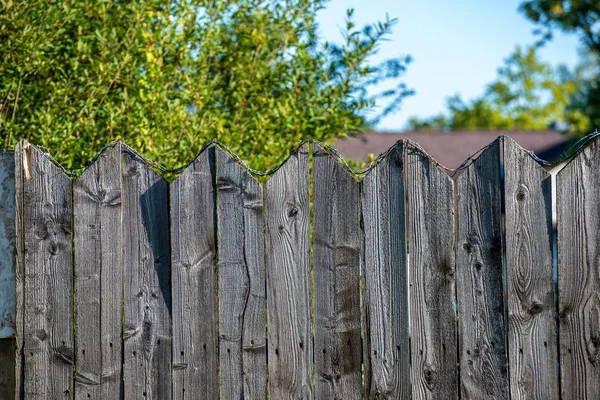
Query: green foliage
(527,95)
(165,77)
(581,17)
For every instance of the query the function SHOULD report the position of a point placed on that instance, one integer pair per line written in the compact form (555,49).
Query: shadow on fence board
(406,283)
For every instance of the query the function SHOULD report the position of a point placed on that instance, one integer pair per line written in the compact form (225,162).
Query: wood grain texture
(242,293)
(385,318)
(195,301)
(98,278)
(529,271)
(147,289)
(8,294)
(483,363)
(336,246)
(430,202)
(290,348)
(21,160)
(578,215)
(46,217)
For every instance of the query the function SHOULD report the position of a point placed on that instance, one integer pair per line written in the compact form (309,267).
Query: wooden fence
(406,284)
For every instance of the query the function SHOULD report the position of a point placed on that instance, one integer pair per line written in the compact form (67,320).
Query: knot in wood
(293,212)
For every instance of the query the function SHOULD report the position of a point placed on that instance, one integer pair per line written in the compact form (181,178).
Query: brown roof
(451,148)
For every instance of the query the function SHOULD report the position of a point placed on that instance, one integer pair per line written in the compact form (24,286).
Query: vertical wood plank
(578,215)
(21,162)
(7,245)
(147,289)
(98,278)
(336,246)
(46,217)
(529,272)
(430,202)
(8,293)
(483,363)
(386,342)
(242,293)
(195,301)
(290,349)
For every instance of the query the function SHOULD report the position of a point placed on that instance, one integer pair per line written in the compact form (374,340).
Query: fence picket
(147,289)
(483,367)
(577,206)
(430,202)
(290,349)
(45,208)
(529,272)
(195,307)
(98,278)
(336,246)
(386,342)
(242,318)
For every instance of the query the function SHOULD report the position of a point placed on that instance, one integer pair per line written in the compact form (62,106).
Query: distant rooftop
(452,148)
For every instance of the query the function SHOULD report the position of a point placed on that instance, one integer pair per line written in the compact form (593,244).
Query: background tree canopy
(166,77)
(530,94)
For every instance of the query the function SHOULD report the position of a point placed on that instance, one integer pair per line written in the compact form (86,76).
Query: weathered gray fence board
(147,289)
(98,278)
(290,349)
(195,301)
(8,315)
(483,364)
(21,161)
(7,245)
(242,293)
(336,246)
(46,211)
(578,212)
(529,273)
(385,338)
(430,202)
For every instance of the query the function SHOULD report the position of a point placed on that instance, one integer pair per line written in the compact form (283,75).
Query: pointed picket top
(224,156)
(30,157)
(513,149)
(297,156)
(109,159)
(394,154)
(583,156)
(416,154)
(339,163)
(206,155)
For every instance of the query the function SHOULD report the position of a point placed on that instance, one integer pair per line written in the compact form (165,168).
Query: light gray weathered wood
(195,301)
(430,202)
(529,273)
(98,278)
(241,260)
(385,319)
(578,216)
(483,363)
(336,246)
(290,349)
(45,208)
(147,289)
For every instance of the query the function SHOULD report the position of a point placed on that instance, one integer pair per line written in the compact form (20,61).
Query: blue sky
(456,45)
